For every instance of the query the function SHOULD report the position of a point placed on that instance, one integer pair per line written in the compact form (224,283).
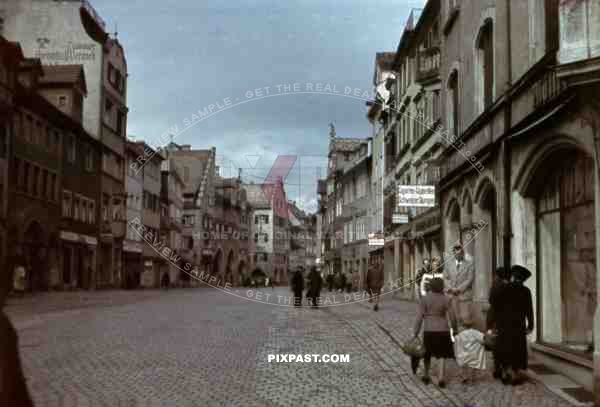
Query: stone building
(412,147)
(378,116)
(354,181)
(34,198)
(80,221)
(171,217)
(68,32)
(228,222)
(270,232)
(133,265)
(199,172)
(519,183)
(342,152)
(11,57)
(153,260)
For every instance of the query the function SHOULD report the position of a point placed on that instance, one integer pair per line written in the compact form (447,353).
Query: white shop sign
(416,195)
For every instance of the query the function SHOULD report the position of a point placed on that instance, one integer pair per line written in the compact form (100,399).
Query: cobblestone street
(201,347)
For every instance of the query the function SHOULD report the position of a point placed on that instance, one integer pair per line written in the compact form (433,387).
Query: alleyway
(201,347)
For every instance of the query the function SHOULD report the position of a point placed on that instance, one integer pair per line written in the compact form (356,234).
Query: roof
(256,196)
(63,74)
(348,144)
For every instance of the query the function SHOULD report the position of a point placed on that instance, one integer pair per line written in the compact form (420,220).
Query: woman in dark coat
(501,281)
(375,281)
(315,283)
(298,287)
(513,309)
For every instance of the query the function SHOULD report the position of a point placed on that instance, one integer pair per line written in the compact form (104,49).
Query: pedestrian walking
(470,351)
(165,281)
(459,275)
(375,281)
(514,321)
(435,315)
(298,287)
(315,283)
(501,281)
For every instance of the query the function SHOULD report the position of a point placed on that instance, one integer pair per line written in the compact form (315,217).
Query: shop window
(566,253)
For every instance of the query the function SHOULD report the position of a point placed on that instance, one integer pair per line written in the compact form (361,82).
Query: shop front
(77,260)
(133,265)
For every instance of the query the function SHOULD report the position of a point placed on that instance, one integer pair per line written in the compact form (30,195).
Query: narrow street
(201,347)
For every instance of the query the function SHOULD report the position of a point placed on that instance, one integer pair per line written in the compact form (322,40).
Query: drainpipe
(506,151)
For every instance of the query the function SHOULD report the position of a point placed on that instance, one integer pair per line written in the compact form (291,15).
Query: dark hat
(520,273)
(503,273)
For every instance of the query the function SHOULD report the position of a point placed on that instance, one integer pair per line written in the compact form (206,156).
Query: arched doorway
(36,256)
(564,199)
(229,268)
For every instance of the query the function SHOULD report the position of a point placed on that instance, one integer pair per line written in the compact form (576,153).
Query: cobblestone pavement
(201,347)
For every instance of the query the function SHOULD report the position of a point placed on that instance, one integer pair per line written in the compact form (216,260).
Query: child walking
(470,351)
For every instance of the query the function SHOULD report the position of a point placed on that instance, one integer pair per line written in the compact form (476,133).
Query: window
(66,208)
(76,208)
(120,123)
(484,74)
(453,105)
(266,237)
(108,110)
(265,257)
(35,188)
(89,159)
(71,149)
(92,213)
(105,204)
(256,238)
(62,101)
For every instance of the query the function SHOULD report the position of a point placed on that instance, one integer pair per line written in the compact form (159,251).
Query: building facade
(199,172)
(356,194)
(11,57)
(133,244)
(60,33)
(171,217)
(153,260)
(64,87)
(519,183)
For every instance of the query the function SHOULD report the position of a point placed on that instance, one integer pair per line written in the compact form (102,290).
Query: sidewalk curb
(556,390)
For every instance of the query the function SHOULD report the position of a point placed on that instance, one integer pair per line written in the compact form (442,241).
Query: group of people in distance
(315,284)
(445,315)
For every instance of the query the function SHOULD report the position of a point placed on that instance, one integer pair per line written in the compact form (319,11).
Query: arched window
(484,66)
(453,103)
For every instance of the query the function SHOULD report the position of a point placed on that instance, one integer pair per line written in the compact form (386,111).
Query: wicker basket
(414,348)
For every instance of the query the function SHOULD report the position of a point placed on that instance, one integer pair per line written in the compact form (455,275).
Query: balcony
(429,64)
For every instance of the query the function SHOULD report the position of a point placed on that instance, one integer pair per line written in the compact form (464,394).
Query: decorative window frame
(488,14)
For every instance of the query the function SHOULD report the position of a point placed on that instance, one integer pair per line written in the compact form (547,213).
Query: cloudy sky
(184,55)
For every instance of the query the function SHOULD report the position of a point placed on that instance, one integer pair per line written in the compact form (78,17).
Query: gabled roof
(256,196)
(63,75)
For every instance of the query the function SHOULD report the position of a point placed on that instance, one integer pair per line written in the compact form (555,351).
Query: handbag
(414,348)
(489,340)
